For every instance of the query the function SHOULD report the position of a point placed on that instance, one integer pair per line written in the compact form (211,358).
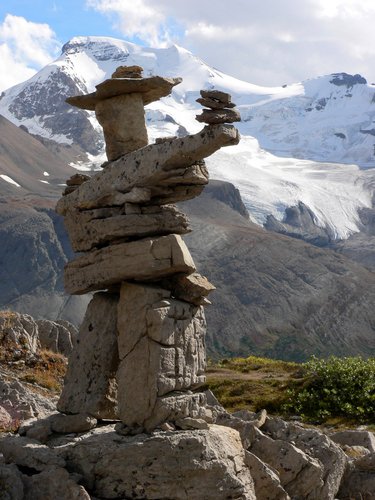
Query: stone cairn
(140,356)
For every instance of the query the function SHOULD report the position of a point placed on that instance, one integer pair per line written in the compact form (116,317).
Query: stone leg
(162,357)
(90,384)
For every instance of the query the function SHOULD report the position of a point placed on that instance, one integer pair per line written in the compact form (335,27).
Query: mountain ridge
(271,117)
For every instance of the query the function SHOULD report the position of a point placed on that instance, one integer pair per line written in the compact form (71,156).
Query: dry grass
(7,318)
(253,383)
(46,368)
(48,371)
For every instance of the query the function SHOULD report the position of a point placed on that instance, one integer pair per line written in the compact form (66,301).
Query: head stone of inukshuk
(140,357)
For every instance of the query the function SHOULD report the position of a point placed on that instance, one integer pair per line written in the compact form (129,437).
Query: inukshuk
(141,351)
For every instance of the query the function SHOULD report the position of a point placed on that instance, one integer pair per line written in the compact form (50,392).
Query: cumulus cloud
(264,42)
(25,47)
(138,18)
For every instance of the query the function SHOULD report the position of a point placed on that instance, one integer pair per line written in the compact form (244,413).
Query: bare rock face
(143,260)
(161,350)
(300,474)
(90,383)
(182,465)
(21,403)
(266,481)
(99,227)
(20,330)
(316,445)
(55,337)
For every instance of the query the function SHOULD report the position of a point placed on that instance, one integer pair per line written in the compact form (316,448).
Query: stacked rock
(140,356)
(75,181)
(221,109)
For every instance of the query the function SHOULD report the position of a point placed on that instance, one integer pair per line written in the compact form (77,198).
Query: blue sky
(271,42)
(67,18)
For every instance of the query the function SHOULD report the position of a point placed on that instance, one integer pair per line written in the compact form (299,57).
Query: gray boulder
(11,485)
(55,336)
(316,445)
(266,481)
(51,484)
(355,438)
(180,465)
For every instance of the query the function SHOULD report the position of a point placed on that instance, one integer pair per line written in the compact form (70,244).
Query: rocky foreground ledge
(241,455)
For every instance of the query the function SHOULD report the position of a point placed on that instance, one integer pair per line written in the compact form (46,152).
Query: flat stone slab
(98,227)
(151,89)
(219,116)
(157,167)
(142,260)
(214,103)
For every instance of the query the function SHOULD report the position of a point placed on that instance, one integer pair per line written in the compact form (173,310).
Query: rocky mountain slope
(34,247)
(277,296)
(325,119)
(27,167)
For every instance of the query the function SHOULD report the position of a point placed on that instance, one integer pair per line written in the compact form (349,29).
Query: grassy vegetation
(253,383)
(45,368)
(47,371)
(335,391)
(336,388)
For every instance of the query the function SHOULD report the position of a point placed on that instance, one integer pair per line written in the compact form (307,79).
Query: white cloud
(25,47)
(138,18)
(268,42)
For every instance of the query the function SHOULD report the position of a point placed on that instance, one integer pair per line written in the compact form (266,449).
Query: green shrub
(335,387)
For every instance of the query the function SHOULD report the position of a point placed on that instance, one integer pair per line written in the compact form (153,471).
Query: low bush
(335,387)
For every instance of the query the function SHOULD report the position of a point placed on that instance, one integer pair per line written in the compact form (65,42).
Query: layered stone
(160,168)
(123,121)
(214,116)
(90,384)
(99,227)
(147,259)
(162,351)
(217,95)
(214,103)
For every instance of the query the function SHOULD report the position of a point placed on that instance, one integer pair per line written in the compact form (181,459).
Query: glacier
(312,141)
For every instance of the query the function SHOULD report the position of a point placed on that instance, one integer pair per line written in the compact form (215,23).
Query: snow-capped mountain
(327,119)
